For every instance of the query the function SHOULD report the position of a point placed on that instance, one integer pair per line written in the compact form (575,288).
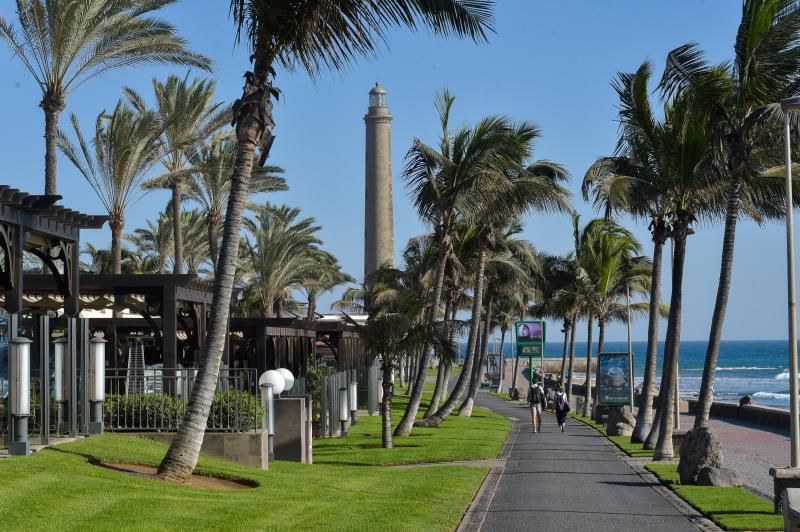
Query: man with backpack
(536,401)
(561,405)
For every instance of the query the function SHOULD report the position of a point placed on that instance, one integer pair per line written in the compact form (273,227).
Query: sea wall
(763,415)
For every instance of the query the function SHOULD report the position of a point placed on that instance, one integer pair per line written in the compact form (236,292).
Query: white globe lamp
(287,377)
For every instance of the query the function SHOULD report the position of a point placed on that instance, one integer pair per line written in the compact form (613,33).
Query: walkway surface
(574,480)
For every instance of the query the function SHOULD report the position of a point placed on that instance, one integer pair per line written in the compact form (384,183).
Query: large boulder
(724,476)
(620,422)
(700,449)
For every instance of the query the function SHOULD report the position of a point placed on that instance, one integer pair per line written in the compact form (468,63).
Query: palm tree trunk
(405,425)
(587,383)
(572,332)
(386,408)
(116,245)
(644,418)
(655,428)
(412,366)
(477,370)
(177,228)
(436,419)
(52,105)
(182,455)
(213,241)
(564,354)
(601,336)
(663,450)
(440,373)
(720,306)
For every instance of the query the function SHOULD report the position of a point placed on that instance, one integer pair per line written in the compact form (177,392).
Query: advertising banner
(613,379)
(493,367)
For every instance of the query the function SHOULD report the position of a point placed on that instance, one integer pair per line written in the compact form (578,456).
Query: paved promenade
(567,481)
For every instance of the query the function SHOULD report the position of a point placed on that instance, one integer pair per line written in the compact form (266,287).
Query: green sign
(530,336)
(614,378)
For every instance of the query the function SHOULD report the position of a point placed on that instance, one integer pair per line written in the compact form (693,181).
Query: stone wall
(246,448)
(763,415)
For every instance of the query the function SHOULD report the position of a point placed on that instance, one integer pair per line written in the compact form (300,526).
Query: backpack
(536,396)
(561,402)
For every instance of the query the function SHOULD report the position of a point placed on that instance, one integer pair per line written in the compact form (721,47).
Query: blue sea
(756,368)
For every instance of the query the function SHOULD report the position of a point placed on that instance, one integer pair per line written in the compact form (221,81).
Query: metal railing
(161,403)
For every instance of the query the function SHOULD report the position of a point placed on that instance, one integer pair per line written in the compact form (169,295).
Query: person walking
(536,401)
(561,405)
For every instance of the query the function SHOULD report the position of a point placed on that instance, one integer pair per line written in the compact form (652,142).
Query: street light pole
(787,106)
(630,344)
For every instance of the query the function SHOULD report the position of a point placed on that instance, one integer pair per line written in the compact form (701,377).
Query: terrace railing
(158,400)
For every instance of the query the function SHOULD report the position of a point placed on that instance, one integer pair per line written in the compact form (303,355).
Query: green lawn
(730,508)
(459,438)
(455,371)
(60,487)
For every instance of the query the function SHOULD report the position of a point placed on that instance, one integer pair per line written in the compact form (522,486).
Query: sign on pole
(530,337)
(613,379)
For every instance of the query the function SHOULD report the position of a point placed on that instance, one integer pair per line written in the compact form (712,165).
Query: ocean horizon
(759,368)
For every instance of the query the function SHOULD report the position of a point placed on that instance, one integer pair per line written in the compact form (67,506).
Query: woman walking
(561,406)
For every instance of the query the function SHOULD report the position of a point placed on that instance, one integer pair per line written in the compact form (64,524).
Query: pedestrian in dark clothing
(561,405)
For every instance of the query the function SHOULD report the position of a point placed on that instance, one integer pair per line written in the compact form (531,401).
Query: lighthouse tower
(378,219)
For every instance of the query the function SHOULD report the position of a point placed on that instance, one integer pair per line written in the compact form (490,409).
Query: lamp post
(20,394)
(787,106)
(97,383)
(60,382)
(352,397)
(630,343)
(271,383)
(344,413)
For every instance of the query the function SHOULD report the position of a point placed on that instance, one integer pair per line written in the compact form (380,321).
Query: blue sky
(549,62)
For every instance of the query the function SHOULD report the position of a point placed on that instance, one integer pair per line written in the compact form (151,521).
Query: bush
(235,411)
(143,411)
(230,411)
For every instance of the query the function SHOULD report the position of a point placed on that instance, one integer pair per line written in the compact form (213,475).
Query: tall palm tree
(63,44)
(742,98)
(281,256)
(316,36)
(209,184)
(190,117)
(510,264)
(480,177)
(154,241)
(606,253)
(392,329)
(125,148)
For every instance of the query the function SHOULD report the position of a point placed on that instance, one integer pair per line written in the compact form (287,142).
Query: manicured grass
(458,438)
(455,371)
(730,508)
(339,492)
(623,442)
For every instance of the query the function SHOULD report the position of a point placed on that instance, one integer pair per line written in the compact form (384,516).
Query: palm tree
(510,264)
(478,176)
(281,257)
(323,275)
(393,329)
(189,117)
(154,242)
(63,44)
(742,99)
(209,184)
(126,147)
(314,35)
(606,253)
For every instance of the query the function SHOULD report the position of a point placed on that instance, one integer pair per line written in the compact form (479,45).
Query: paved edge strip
(476,513)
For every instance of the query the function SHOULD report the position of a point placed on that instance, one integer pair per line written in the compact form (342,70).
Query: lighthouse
(378,219)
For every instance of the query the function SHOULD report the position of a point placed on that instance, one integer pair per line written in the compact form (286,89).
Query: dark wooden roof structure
(35,224)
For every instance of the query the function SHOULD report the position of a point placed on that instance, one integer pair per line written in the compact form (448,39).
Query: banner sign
(530,336)
(613,379)
(493,367)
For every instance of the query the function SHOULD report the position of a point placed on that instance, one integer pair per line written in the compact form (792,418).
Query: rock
(620,422)
(620,429)
(700,449)
(746,400)
(725,476)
